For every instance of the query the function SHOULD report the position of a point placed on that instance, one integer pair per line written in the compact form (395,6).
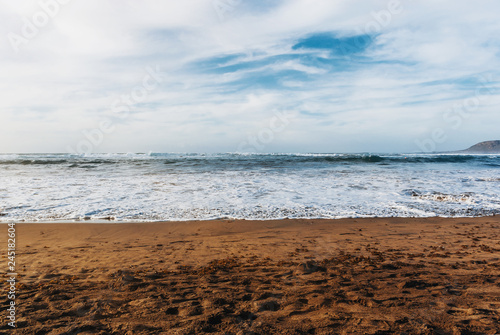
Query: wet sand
(353,276)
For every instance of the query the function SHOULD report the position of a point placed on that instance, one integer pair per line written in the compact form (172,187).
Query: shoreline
(294,276)
(114,221)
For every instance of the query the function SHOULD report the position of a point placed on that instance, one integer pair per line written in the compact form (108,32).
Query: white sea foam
(142,187)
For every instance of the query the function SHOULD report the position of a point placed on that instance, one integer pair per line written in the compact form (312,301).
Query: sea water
(154,186)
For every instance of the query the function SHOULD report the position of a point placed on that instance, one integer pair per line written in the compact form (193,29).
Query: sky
(85,76)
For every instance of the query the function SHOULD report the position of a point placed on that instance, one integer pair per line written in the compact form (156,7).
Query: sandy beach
(349,276)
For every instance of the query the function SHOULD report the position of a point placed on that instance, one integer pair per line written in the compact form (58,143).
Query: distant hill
(487,147)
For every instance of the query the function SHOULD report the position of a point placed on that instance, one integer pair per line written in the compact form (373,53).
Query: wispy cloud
(355,78)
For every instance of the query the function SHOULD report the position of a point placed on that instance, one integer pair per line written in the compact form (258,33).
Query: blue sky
(236,75)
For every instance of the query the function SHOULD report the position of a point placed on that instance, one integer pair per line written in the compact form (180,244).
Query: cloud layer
(384,76)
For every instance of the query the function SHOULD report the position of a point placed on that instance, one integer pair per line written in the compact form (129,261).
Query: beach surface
(347,276)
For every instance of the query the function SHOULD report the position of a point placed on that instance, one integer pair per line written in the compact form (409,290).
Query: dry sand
(373,276)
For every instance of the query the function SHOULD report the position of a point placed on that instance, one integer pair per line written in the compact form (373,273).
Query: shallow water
(144,187)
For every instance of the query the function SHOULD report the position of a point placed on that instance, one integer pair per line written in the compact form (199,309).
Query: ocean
(168,187)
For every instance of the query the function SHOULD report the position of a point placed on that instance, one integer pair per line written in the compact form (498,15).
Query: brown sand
(356,276)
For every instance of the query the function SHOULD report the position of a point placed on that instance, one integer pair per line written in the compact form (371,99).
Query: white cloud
(65,78)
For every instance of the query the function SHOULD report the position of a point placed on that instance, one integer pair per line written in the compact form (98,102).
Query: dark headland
(487,147)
